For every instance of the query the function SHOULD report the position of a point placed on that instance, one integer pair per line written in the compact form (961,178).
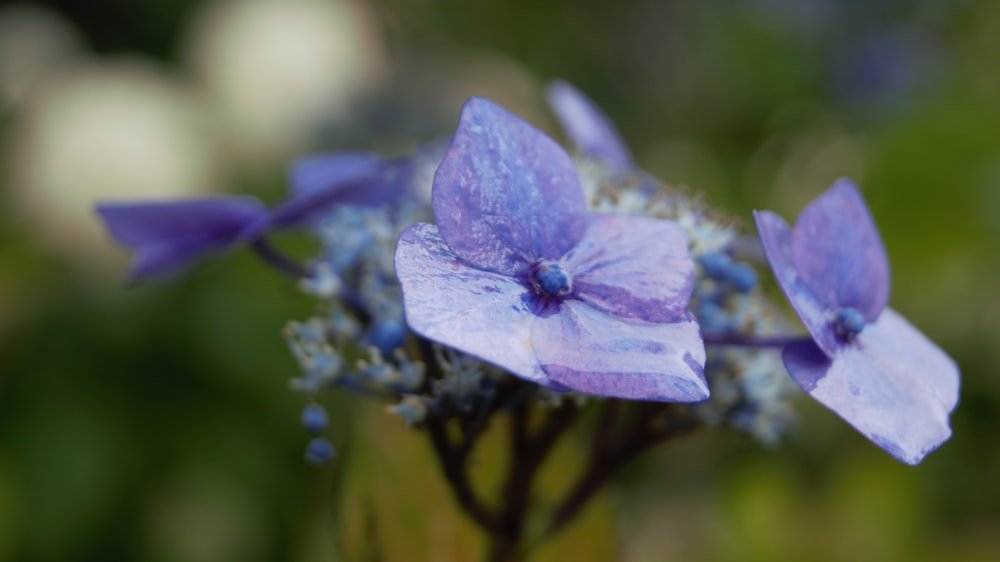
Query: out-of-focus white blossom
(34,41)
(278,70)
(121,129)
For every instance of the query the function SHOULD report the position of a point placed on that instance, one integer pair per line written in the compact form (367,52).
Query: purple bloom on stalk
(865,362)
(517,271)
(167,236)
(587,127)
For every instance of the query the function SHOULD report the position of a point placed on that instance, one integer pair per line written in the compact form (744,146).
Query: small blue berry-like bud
(319,451)
(314,419)
(551,279)
(386,335)
(712,317)
(742,276)
(715,264)
(848,323)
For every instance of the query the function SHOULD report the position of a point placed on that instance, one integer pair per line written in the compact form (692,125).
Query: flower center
(551,280)
(848,323)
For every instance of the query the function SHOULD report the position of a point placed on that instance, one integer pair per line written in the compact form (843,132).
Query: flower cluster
(580,277)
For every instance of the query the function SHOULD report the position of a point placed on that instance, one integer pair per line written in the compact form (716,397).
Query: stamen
(551,280)
(848,323)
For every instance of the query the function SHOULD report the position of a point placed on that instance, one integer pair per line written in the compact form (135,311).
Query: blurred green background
(154,423)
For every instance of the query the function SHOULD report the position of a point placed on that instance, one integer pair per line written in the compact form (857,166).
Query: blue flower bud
(314,419)
(551,280)
(712,317)
(715,264)
(386,335)
(319,451)
(848,323)
(741,276)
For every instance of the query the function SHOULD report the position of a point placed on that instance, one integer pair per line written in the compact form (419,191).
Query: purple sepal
(479,312)
(892,384)
(589,129)
(839,254)
(589,351)
(776,238)
(356,178)
(166,236)
(633,267)
(518,273)
(506,195)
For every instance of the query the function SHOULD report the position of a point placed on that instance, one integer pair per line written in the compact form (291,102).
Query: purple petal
(506,195)
(587,350)
(838,252)
(352,177)
(893,385)
(168,235)
(481,313)
(590,130)
(776,238)
(633,267)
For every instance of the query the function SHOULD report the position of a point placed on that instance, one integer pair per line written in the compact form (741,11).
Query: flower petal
(633,267)
(168,235)
(838,252)
(776,238)
(589,129)
(356,178)
(893,385)
(587,350)
(481,313)
(506,195)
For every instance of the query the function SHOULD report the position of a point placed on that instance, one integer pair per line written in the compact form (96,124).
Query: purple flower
(519,273)
(588,128)
(865,362)
(355,178)
(167,236)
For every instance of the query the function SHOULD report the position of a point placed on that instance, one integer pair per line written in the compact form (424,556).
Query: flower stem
(741,340)
(278,260)
(613,449)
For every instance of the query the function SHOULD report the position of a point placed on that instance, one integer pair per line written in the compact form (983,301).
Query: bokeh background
(154,423)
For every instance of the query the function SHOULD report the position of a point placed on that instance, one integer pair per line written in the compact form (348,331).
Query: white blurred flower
(106,130)
(278,69)
(33,41)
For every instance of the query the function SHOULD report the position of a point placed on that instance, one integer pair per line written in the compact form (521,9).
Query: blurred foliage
(153,423)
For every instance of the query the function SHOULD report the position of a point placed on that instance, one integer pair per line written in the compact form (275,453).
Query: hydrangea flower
(864,361)
(169,235)
(519,273)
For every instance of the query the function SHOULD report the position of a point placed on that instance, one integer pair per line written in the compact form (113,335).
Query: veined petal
(892,384)
(839,254)
(506,195)
(587,350)
(167,235)
(776,238)
(589,129)
(481,313)
(633,267)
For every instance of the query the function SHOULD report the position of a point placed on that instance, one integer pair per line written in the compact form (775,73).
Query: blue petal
(481,313)
(633,267)
(838,252)
(590,130)
(776,238)
(167,236)
(892,384)
(587,350)
(349,177)
(506,195)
